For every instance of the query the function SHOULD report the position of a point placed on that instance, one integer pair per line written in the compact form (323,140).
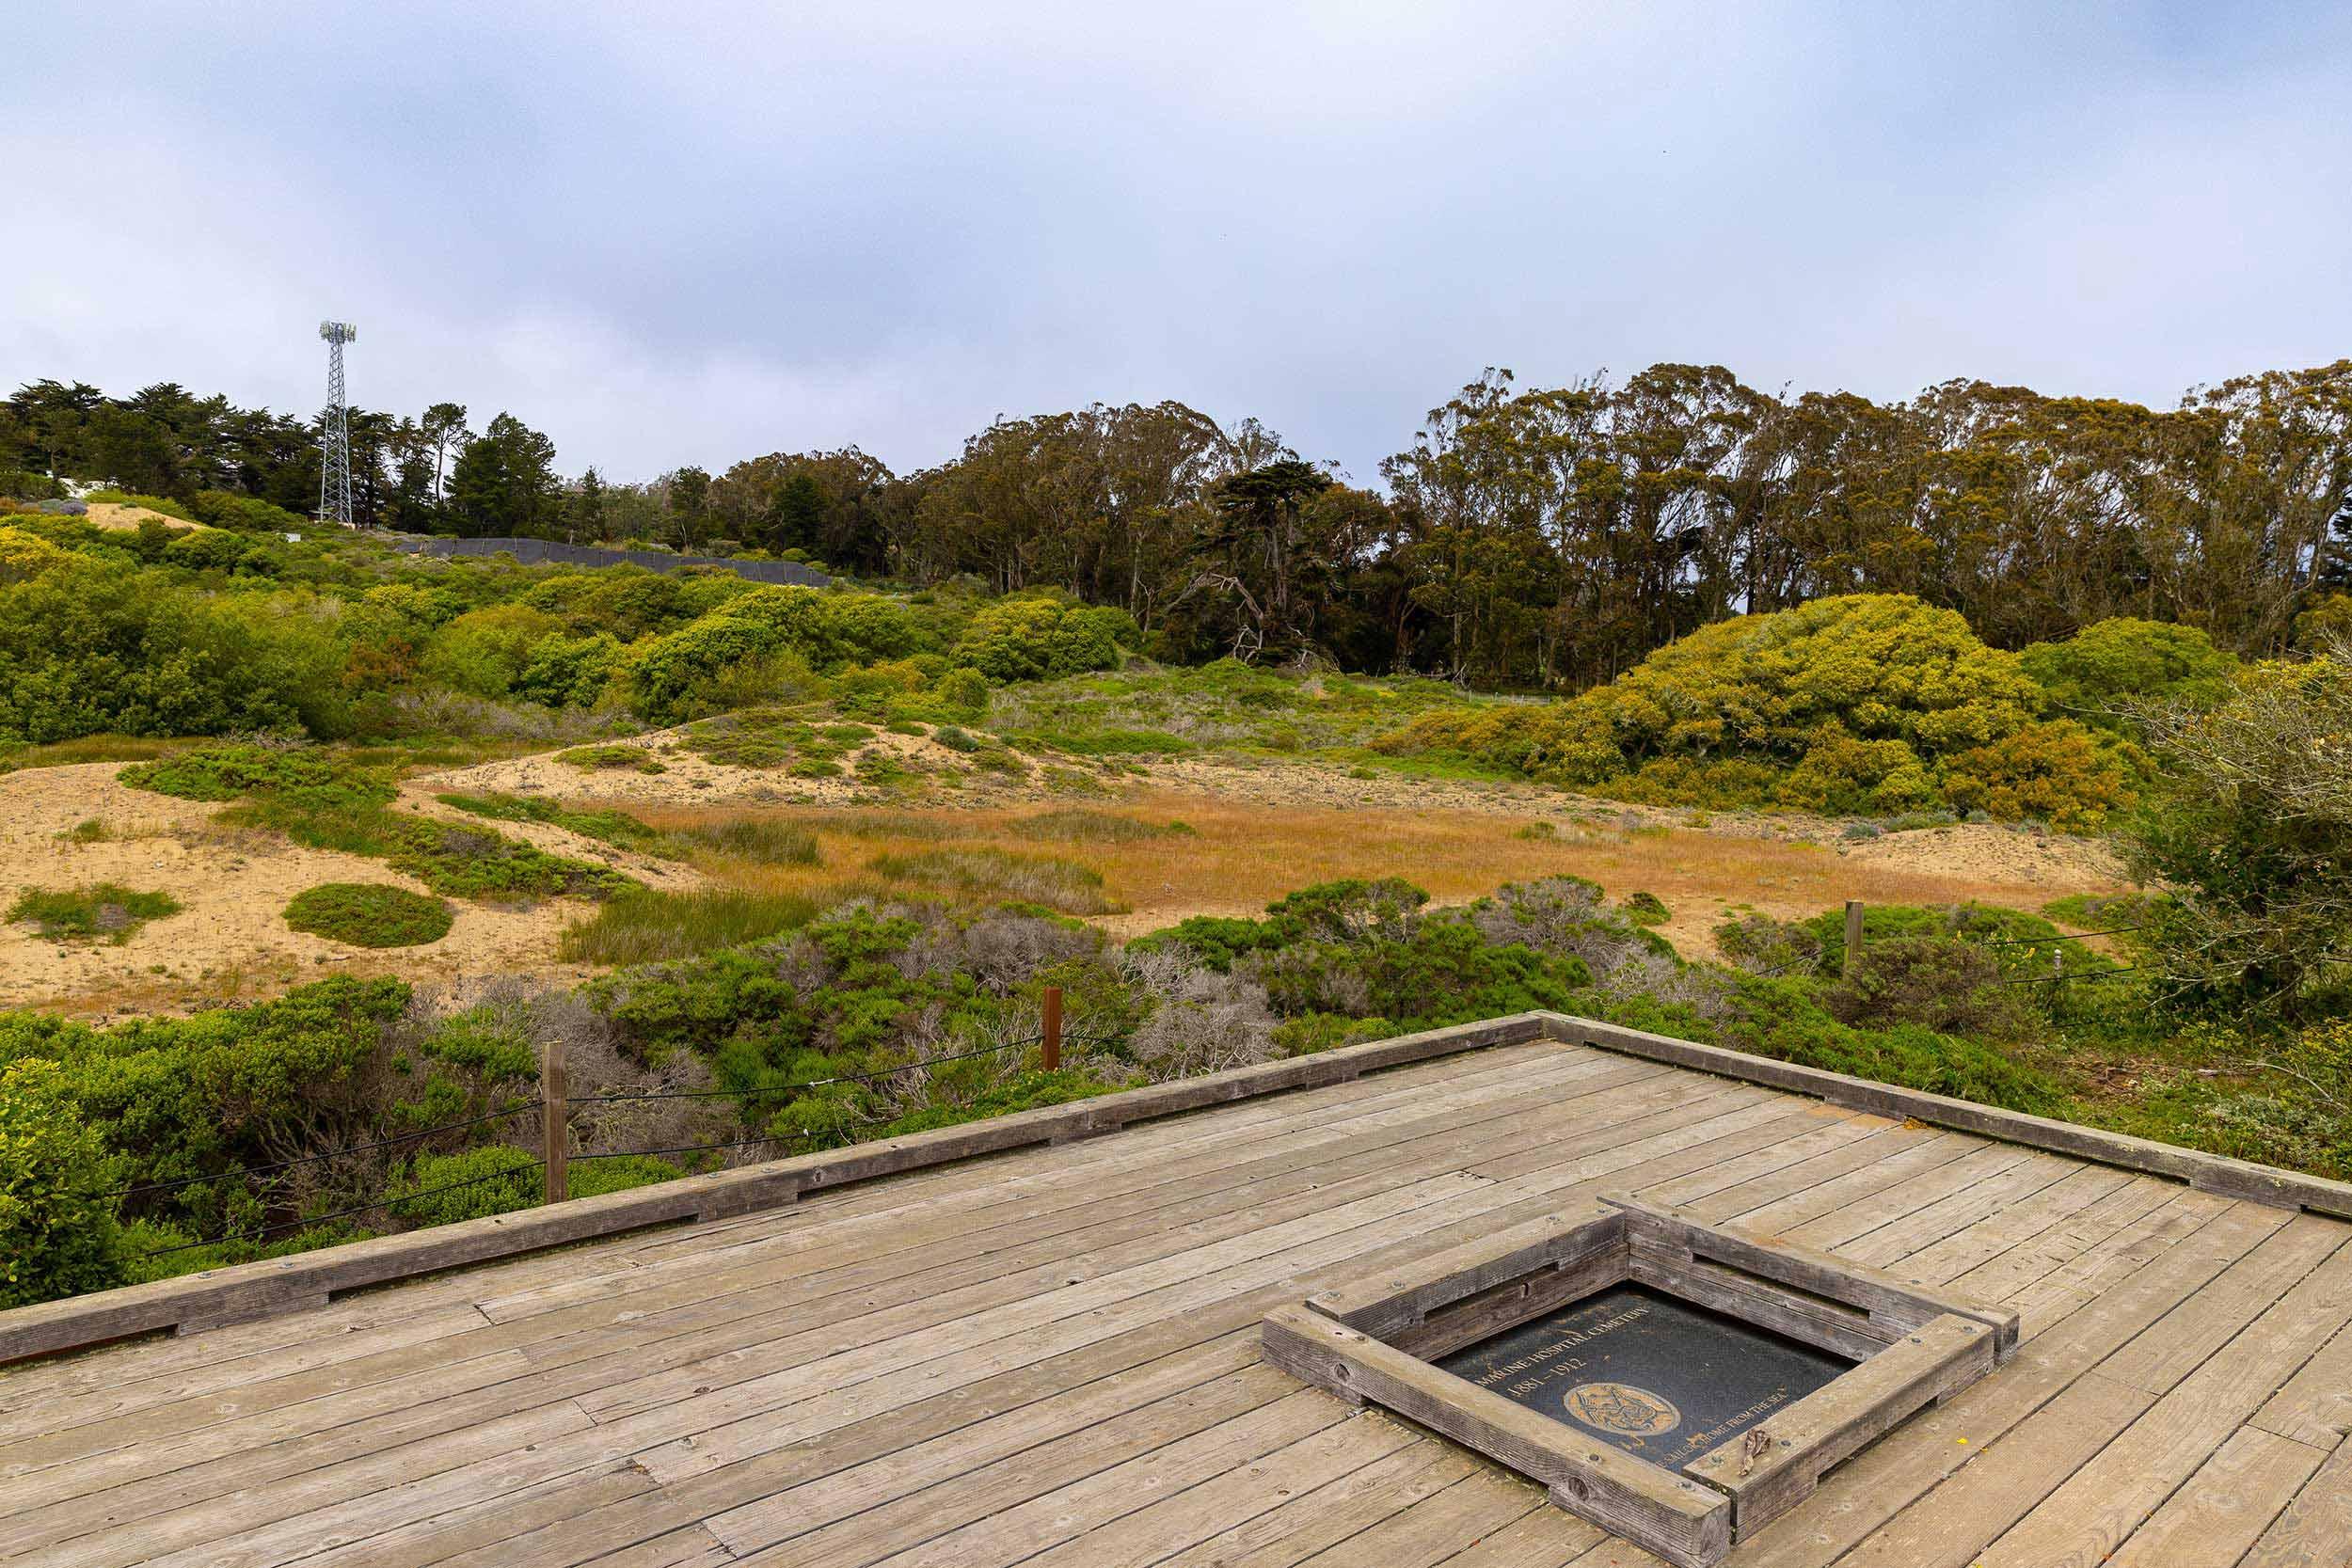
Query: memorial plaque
(1646,1372)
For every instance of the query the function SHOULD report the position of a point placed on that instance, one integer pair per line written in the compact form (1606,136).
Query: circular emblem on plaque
(1622,1408)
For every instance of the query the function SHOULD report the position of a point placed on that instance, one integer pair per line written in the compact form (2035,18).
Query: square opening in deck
(1676,1384)
(1647,1373)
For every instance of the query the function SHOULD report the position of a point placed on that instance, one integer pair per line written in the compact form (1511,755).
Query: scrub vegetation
(864,825)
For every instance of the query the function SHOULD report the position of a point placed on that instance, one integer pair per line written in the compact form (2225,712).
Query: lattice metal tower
(335,430)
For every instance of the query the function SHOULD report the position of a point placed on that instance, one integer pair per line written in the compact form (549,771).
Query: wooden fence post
(554,1117)
(1051,1053)
(1854,935)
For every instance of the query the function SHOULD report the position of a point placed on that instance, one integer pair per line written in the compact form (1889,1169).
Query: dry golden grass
(1245,854)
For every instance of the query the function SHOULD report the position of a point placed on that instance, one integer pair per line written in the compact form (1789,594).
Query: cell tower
(335,430)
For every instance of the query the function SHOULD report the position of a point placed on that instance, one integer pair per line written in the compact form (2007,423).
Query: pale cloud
(694,233)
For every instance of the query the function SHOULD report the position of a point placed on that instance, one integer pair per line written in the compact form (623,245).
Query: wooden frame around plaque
(1374,1341)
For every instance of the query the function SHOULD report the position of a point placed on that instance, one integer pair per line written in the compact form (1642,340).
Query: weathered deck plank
(1048,1354)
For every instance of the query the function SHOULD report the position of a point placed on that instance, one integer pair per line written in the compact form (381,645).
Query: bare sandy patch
(115,516)
(230,939)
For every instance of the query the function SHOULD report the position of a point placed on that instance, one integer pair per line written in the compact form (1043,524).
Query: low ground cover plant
(102,911)
(369,914)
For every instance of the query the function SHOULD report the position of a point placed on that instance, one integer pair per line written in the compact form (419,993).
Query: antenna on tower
(335,430)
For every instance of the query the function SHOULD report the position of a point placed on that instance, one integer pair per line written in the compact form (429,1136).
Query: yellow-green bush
(56,1238)
(1873,703)
(486,651)
(26,555)
(1045,638)
(2093,674)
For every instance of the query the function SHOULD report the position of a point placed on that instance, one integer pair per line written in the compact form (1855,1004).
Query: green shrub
(745,747)
(1868,704)
(490,1041)
(699,667)
(1644,908)
(831,629)
(102,910)
(2250,832)
(955,740)
(444,1188)
(1106,743)
(247,514)
(962,693)
(1778,1018)
(2096,674)
(232,772)
(369,914)
(879,691)
(2022,944)
(95,646)
(593,1175)
(1946,984)
(592,758)
(205,550)
(570,672)
(55,1238)
(765,645)
(486,652)
(469,862)
(24,556)
(2106,910)
(2302,1117)
(1043,638)
(1763,945)
(187,1100)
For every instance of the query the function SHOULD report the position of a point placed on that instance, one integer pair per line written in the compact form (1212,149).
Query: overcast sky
(689,234)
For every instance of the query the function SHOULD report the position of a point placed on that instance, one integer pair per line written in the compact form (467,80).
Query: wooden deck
(1050,1357)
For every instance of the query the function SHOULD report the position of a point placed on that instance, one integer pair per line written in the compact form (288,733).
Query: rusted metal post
(555,1120)
(1854,935)
(1051,1053)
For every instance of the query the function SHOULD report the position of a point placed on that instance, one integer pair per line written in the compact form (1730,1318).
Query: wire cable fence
(276,1166)
(2069,974)
(2062,936)
(545,1108)
(767,1090)
(1814,960)
(255,1233)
